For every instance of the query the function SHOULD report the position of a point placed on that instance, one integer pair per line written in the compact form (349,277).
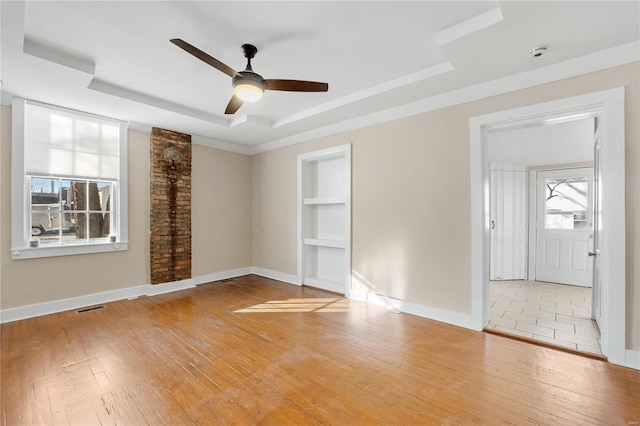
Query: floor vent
(226,280)
(93,308)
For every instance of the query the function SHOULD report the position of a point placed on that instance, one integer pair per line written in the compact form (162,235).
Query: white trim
(448,317)
(217,276)
(609,104)
(221,145)
(325,285)
(423,74)
(61,305)
(532,218)
(51,54)
(275,275)
(469,26)
(170,287)
(46,308)
(121,200)
(19,227)
(67,250)
(609,58)
(132,95)
(632,359)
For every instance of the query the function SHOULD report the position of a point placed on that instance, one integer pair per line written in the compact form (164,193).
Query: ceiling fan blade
(296,85)
(204,57)
(234,104)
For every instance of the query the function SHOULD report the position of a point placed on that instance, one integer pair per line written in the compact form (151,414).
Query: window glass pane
(45,226)
(75,194)
(104,193)
(566,203)
(78,228)
(98,225)
(45,193)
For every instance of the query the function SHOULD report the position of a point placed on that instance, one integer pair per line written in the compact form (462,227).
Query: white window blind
(65,143)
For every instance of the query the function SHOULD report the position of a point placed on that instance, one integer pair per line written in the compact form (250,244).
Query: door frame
(608,106)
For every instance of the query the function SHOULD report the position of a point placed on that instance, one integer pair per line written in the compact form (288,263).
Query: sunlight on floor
(338,304)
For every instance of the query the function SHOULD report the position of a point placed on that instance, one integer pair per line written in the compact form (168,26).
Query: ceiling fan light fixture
(248,91)
(248,86)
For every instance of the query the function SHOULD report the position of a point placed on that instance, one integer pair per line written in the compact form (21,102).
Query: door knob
(591,253)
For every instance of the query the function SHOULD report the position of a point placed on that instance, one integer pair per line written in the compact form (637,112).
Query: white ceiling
(115,58)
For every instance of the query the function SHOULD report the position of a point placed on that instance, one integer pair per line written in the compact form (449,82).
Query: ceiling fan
(249,86)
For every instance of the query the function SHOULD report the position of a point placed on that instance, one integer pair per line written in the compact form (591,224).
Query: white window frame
(21,196)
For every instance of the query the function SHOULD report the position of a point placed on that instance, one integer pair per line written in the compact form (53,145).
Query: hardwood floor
(256,351)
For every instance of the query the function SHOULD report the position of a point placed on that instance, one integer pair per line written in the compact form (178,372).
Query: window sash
(60,214)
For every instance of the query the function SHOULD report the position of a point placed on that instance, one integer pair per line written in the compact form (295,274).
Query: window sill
(68,250)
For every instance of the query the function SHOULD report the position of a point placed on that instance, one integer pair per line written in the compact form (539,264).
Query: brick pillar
(170,206)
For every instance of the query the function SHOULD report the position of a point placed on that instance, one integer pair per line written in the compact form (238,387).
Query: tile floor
(554,313)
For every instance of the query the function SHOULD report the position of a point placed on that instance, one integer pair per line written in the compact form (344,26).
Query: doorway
(543,302)
(608,106)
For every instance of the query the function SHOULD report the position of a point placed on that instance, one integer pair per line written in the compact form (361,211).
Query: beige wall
(221,228)
(221,211)
(411,198)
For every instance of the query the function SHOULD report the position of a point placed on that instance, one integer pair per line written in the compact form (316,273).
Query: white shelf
(324,283)
(327,200)
(324,243)
(324,213)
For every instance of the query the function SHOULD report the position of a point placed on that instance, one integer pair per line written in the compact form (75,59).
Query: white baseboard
(39,309)
(61,305)
(632,359)
(435,314)
(217,276)
(275,275)
(155,289)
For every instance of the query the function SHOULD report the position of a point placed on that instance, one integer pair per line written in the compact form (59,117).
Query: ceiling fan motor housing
(249,77)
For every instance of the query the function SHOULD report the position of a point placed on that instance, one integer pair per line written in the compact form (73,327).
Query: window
(566,203)
(69,182)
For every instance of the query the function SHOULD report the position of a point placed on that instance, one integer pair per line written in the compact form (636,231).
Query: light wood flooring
(257,351)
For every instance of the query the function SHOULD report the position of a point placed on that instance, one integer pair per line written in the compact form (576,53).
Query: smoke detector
(537,52)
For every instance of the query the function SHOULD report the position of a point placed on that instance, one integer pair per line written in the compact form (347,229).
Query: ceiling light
(248,86)
(248,92)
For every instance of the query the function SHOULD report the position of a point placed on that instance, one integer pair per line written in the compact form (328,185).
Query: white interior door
(564,229)
(596,293)
(508,223)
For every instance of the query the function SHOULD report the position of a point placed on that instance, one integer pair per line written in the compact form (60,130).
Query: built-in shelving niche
(324,218)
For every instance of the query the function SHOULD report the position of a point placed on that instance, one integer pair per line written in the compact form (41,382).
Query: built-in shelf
(324,243)
(324,218)
(316,201)
(326,284)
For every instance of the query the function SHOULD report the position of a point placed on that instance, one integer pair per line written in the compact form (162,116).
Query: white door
(596,293)
(508,222)
(564,234)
